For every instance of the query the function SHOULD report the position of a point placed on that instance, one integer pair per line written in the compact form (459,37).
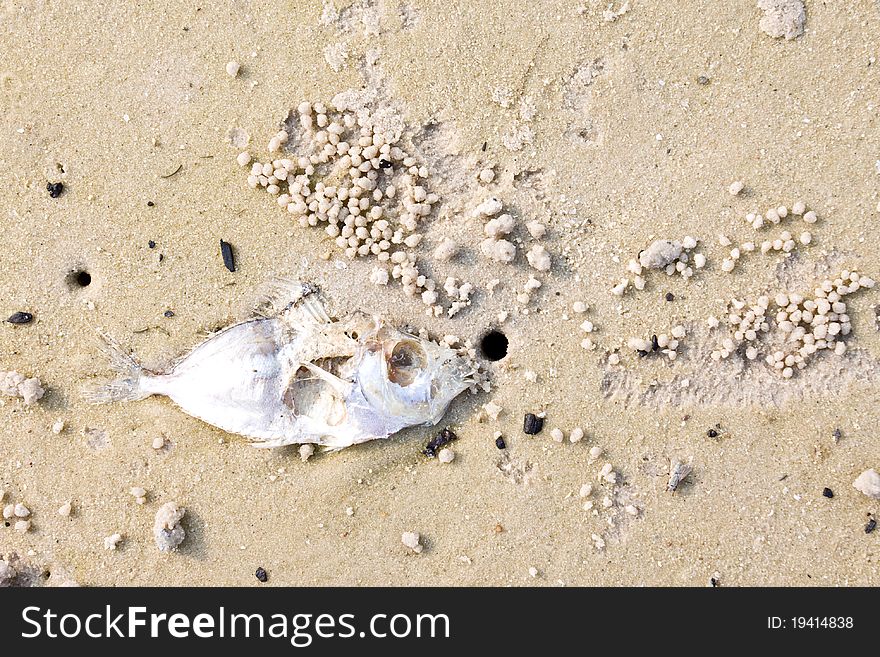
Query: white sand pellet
(22,525)
(65,509)
(413,541)
(499,226)
(536,229)
(557,435)
(232,69)
(486,176)
(13,384)
(736,187)
(533,572)
(488,208)
(446,455)
(243,159)
(538,258)
(576,435)
(158,442)
(58,427)
(579,307)
(21,511)
(586,490)
(167,530)
(868,483)
(660,253)
(595,452)
(498,250)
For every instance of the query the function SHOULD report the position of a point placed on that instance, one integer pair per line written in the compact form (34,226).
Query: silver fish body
(299,377)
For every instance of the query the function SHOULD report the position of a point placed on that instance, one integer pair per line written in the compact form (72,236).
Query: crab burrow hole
(78,278)
(493,345)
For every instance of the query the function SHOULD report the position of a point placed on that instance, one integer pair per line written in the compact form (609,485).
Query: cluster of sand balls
(747,323)
(671,256)
(13,384)
(784,243)
(666,344)
(804,325)
(357,182)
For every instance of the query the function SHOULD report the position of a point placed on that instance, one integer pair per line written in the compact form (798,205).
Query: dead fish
(677,473)
(293,375)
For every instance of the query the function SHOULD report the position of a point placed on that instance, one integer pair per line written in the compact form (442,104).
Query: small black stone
(262,575)
(20,318)
(228,255)
(441,439)
(713,582)
(655,345)
(532,424)
(642,353)
(55,189)
(151,244)
(169,313)
(712,433)
(837,435)
(702,79)
(150,204)
(385,164)
(827,492)
(871,526)
(499,442)
(670,296)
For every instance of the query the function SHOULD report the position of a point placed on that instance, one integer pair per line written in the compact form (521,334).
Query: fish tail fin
(128,386)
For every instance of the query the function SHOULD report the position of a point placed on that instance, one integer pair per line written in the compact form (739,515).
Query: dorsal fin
(288,297)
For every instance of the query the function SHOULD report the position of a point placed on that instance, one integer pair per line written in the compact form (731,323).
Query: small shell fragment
(413,541)
(868,483)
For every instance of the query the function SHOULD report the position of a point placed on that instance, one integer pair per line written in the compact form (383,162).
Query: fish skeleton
(293,375)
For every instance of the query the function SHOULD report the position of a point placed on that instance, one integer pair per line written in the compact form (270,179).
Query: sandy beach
(613,126)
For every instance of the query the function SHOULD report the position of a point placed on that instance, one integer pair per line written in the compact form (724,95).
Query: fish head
(410,379)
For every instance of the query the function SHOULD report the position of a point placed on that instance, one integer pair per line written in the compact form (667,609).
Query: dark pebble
(702,79)
(151,244)
(150,204)
(20,318)
(837,435)
(871,526)
(441,439)
(642,353)
(827,492)
(712,433)
(55,189)
(169,313)
(228,257)
(385,164)
(670,296)
(262,575)
(655,345)
(713,582)
(499,442)
(532,424)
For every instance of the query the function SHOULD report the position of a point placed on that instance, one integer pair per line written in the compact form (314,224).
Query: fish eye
(405,362)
